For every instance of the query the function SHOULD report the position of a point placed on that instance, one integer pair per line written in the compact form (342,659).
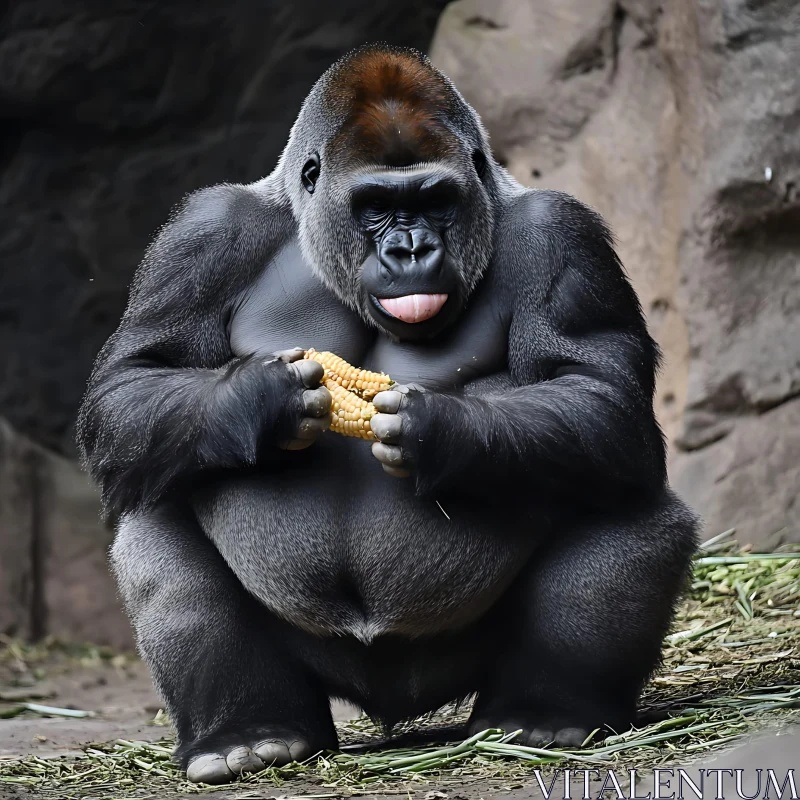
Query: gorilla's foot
(568,728)
(536,732)
(221,757)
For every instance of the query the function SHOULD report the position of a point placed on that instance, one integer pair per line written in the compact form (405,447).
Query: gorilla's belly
(344,549)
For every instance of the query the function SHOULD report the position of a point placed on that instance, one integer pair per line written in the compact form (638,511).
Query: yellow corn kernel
(350,414)
(361,382)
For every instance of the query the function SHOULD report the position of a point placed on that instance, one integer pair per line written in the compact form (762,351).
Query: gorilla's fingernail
(387,402)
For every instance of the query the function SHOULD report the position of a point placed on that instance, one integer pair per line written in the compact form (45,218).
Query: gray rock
(749,480)
(18,470)
(682,129)
(54,576)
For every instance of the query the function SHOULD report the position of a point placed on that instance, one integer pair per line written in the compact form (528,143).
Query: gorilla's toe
(536,734)
(277,752)
(571,737)
(209,768)
(540,737)
(559,737)
(242,760)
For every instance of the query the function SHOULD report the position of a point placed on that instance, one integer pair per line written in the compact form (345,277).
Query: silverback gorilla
(510,536)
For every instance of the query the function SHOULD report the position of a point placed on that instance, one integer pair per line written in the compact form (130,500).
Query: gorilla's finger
(388,454)
(299,750)
(310,372)
(387,402)
(396,472)
(312,428)
(290,356)
(316,402)
(387,427)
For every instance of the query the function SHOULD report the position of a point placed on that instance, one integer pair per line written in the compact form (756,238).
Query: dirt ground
(120,695)
(118,692)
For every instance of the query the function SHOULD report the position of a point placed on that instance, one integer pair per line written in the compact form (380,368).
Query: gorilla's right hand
(316,400)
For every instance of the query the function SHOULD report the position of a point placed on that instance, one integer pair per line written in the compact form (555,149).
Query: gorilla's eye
(479,160)
(310,173)
(378,207)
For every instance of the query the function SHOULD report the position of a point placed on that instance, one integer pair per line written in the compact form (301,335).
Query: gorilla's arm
(166,397)
(581,419)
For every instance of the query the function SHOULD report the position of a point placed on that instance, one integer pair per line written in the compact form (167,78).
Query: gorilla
(510,536)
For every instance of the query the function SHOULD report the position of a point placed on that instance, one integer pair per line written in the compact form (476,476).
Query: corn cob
(350,414)
(351,391)
(362,382)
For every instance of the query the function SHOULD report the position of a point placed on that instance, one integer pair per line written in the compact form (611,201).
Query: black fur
(535,557)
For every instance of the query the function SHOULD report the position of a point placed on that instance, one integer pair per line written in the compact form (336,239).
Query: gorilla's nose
(417,252)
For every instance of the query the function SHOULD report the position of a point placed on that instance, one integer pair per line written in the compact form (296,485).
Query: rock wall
(680,122)
(53,572)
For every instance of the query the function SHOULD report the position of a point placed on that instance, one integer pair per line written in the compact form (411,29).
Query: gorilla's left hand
(396,428)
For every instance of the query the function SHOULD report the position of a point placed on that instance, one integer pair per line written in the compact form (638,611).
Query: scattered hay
(731,667)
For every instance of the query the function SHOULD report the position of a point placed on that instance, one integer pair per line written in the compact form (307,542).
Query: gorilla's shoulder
(230,207)
(547,235)
(557,213)
(222,234)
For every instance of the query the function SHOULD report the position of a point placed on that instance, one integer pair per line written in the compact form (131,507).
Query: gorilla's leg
(238,699)
(584,626)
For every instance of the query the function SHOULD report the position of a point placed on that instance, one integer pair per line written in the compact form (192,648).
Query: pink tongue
(414,307)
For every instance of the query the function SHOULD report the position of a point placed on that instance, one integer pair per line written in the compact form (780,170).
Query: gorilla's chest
(288,307)
(329,541)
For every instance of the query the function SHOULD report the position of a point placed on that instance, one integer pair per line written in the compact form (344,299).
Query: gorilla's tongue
(414,307)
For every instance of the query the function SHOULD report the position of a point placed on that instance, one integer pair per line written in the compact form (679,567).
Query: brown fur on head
(396,110)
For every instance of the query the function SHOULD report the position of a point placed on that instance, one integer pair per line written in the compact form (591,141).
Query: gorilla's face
(404,246)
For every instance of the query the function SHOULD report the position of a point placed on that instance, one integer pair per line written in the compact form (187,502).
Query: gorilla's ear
(479,160)
(310,173)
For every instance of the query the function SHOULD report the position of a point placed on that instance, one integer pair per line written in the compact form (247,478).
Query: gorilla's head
(391,180)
